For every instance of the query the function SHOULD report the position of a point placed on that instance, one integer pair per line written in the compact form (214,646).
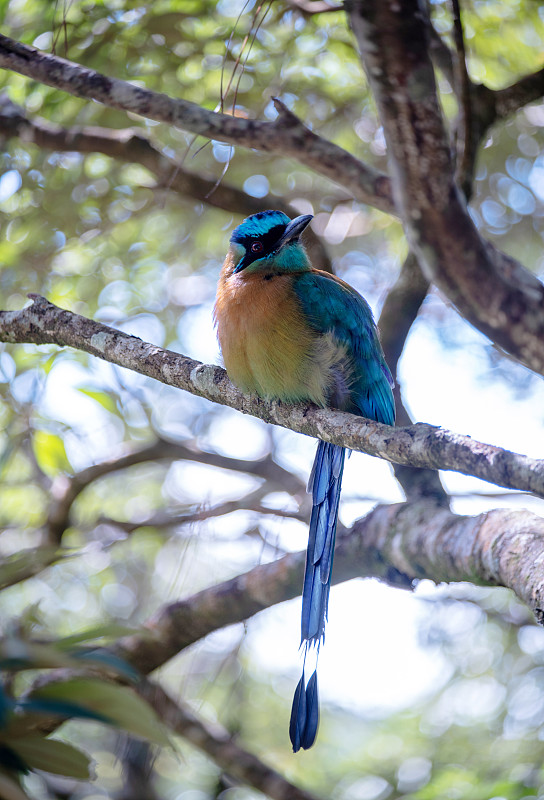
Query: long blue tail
(324,485)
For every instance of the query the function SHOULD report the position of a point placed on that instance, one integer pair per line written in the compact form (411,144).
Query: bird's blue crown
(259,225)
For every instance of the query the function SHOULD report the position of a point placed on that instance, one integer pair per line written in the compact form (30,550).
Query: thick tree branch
(491,291)
(128,145)
(438,226)
(397,544)
(498,548)
(419,445)
(286,136)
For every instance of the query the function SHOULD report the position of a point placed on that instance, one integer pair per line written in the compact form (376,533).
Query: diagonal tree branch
(437,224)
(130,146)
(286,136)
(226,752)
(492,291)
(397,544)
(419,445)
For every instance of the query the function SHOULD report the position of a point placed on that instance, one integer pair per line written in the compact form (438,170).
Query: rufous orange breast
(266,346)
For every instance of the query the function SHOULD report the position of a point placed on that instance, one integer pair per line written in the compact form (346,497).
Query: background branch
(400,309)
(314,6)
(463,265)
(129,146)
(465,144)
(442,55)
(249,502)
(65,490)
(397,544)
(528,89)
(227,753)
(287,136)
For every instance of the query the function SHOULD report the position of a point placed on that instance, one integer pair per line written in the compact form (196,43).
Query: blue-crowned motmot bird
(294,333)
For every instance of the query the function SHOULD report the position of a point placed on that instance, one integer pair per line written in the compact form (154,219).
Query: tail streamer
(324,485)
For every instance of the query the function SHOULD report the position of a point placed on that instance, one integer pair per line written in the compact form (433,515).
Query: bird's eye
(257,247)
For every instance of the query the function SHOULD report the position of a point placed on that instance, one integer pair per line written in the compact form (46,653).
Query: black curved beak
(293,230)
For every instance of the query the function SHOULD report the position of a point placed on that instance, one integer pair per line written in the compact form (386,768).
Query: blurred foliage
(106,239)
(25,746)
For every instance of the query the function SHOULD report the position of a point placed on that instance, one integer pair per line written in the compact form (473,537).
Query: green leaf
(120,704)
(50,453)
(110,630)
(26,563)
(100,657)
(48,362)
(52,755)
(103,398)
(17,654)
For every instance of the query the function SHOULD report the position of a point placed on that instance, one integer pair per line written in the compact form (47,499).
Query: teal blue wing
(330,305)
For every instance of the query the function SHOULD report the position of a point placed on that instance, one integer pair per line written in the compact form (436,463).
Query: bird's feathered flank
(290,332)
(332,307)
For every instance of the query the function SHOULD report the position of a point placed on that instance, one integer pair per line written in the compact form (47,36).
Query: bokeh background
(433,693)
